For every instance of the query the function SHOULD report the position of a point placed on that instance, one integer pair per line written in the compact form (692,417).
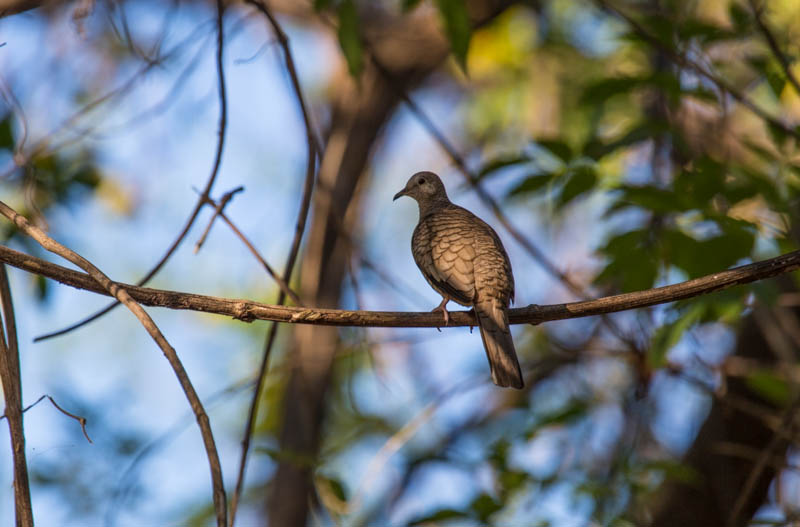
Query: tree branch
(12,390)
(247,310)
(314,149)
(114,289)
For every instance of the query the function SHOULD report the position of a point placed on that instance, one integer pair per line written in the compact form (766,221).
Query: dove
(463,259)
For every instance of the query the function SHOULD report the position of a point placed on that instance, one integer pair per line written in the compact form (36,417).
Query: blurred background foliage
(637,143)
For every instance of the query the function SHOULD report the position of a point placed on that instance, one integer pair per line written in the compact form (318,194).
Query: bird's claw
(443,309)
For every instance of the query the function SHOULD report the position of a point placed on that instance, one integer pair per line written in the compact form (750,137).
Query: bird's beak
(399,194)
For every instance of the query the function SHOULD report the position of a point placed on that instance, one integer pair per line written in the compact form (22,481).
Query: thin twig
(314,149)
(223,124)
(218,206)
(239,234)
(758,12)
(248,311)
(81,420)
(766,454)
(12,391)
(122,295)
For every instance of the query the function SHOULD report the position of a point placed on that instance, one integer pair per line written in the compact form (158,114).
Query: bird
(463,259)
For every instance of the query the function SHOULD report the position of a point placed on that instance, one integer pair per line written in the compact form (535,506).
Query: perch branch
(247,310)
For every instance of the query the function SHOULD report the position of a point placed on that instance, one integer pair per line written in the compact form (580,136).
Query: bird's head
(424,187)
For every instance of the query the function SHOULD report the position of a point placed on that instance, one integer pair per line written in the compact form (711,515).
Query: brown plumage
(463,259)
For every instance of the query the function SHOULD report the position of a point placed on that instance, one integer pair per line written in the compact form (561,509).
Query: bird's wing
(443,250)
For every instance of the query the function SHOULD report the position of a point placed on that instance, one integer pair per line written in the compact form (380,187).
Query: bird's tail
(493,323)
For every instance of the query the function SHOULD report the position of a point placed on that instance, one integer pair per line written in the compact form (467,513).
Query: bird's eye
(421,181)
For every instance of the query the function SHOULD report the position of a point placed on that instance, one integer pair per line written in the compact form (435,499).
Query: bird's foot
(441,307)
(471,312)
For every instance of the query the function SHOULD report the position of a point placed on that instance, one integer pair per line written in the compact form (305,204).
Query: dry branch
(248,310)
(12,391)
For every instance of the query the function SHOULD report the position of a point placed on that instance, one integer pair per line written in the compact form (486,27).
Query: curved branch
(111,288)
(248,310)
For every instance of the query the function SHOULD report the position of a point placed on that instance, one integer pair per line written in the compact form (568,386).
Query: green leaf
(674,470)
(42,287)
(408,5)
(702,257)
(581,180)
(321,5)
(349,37)
(560,149)
(638,133)
(499,454)
(458,28)
(499,163)
(532,183)
(484,506)
(773,72)
(769,386)
(511,480)
(649,197)
(626,273)
(598,92)
(668,335)
(439,516)
(740,17)
(335,486)
(572,410)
